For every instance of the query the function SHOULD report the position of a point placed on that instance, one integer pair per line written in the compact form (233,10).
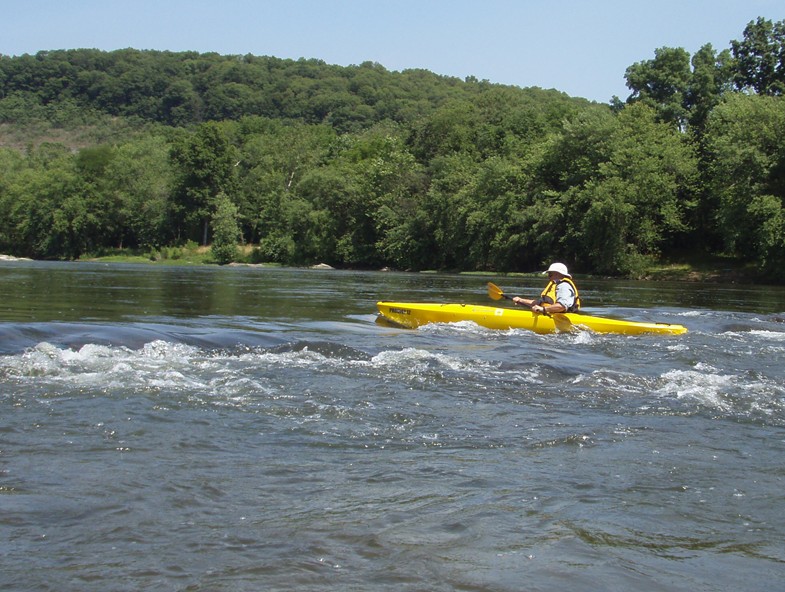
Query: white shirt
(565,295)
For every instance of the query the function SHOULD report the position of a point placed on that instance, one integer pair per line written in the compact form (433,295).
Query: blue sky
(580,47)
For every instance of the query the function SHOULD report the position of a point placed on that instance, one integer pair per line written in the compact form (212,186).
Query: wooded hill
(363,167)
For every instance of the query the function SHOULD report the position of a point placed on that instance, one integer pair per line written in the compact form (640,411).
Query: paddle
(496,293)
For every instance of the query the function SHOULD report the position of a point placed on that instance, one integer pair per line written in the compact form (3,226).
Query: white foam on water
(459,327)
(420,359)
(704,387)
(730,393)
(157,366)
(584,337)
(692,313)
(776,336)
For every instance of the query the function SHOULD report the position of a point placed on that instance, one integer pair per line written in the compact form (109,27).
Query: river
(246,428)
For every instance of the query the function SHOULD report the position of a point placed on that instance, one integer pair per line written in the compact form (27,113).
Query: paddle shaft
(495,292)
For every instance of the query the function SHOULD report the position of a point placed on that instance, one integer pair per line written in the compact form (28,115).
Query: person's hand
(540,309)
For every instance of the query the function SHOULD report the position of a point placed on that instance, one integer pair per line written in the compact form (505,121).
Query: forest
(303,162)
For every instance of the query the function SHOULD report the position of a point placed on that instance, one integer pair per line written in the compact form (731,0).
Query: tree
(444,203)
(336,228)
(12,165)
(226,231)
(181,104)
(573,155)
(712,77)
(140,178)
(760,57)
(275,157)
(639,202)
(662,83)
(30,194)
(683,90)
(206,162)
(745,140)
(452,128)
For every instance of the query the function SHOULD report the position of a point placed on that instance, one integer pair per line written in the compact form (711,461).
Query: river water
(210,429)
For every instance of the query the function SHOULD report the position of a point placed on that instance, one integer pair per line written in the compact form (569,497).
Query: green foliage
(746,140)
(140,181)
(712,77)
(662,82)
(682,90)
(362,167)
(632,203)
(226,231)
(205,162)
(45,207)
(760,57)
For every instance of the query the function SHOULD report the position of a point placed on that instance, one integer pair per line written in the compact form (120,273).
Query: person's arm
(523,301)
(550,308)
(539,308)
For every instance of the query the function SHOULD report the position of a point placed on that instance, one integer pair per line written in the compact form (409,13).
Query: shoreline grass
(710,270)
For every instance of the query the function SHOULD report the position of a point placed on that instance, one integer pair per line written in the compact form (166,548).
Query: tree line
(362,167)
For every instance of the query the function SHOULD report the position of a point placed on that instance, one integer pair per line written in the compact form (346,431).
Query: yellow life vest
(548,295)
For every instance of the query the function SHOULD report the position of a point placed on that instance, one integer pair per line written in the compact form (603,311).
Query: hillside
(363,167)
(72,87)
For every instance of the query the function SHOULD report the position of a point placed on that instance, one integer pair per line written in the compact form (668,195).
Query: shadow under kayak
(411,315)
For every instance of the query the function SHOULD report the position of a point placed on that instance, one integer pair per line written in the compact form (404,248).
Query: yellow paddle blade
(495,292)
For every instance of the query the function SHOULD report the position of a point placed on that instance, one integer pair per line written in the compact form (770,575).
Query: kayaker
(560,295)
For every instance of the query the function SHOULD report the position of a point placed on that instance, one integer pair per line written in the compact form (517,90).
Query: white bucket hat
(558,268)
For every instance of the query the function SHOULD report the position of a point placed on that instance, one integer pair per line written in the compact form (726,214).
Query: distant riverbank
(719,271)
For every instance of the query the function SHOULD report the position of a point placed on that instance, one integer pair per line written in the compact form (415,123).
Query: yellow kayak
(414,314)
